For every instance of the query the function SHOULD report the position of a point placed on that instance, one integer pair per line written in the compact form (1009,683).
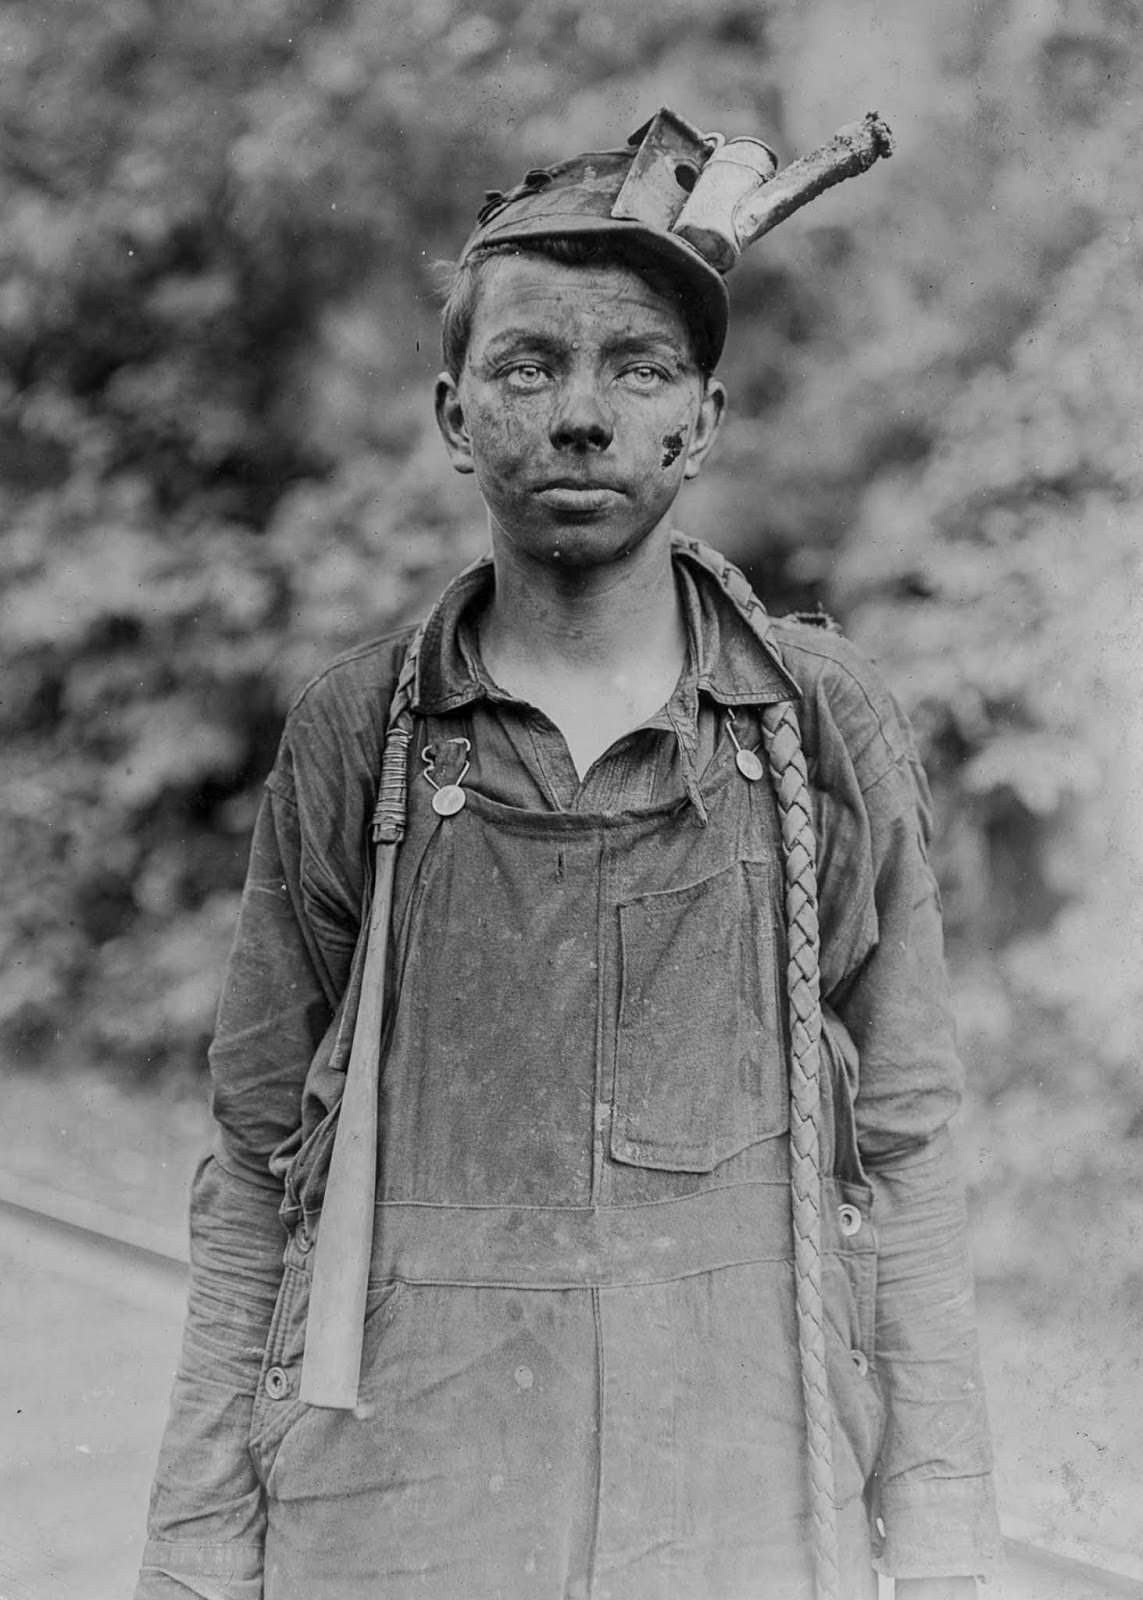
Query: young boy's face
(580,408)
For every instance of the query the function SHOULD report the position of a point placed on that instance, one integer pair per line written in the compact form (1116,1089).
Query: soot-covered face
(580,408)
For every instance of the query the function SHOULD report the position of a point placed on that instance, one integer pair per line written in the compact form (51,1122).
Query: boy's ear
(712,410)
(450,421)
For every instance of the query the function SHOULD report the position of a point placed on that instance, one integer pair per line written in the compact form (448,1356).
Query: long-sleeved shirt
(290,998)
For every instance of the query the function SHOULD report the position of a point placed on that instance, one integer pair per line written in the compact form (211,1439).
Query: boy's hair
(460,284)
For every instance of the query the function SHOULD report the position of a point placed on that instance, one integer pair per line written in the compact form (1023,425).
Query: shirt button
(860,1361)
(277,1383)
(849,1219)
(303,1240)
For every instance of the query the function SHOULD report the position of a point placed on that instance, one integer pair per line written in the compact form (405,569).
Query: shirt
(285,1023)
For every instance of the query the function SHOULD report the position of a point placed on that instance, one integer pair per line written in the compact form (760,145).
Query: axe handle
(852,151)
(331,1367)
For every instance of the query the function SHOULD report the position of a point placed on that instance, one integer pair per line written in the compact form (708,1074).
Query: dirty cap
(632,196)
(690,201)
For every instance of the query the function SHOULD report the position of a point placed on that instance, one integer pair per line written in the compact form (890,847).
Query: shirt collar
(726,659)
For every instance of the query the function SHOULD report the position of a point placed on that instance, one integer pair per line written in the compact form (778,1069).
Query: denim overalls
(580,1374)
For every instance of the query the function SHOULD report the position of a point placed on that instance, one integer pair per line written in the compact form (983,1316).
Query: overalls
(581,1377)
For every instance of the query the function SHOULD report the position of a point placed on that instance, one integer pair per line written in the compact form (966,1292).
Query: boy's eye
(644,375)
(526,375)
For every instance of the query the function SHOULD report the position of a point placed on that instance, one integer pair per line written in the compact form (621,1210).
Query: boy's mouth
(578,497)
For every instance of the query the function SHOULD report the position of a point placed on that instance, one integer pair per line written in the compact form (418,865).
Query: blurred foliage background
(218,466)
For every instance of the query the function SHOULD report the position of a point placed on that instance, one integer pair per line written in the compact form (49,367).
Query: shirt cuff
(176,1569)
(937,1528)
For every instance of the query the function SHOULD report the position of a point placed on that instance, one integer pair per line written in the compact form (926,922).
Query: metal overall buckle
(448,796)
(748,762)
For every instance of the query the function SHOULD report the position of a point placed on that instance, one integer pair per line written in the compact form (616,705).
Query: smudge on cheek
(672,449)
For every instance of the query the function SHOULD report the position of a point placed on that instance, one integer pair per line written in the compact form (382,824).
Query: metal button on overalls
(277,1383)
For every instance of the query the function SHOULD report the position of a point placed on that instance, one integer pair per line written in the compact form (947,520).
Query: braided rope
(781,736)
(782,739)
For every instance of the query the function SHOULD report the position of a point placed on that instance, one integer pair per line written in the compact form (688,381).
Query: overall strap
(781,736)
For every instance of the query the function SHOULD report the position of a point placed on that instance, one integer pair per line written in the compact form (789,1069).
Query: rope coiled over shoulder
(782,739)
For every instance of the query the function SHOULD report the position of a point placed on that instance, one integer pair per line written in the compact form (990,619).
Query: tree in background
(217,463)
(1001,580)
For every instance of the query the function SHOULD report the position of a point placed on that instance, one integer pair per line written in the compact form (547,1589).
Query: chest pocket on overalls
(700,1061)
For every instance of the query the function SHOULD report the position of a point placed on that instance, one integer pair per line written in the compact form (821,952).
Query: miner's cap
(635,195)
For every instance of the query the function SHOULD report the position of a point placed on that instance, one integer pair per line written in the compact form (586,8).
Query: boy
(604,1137)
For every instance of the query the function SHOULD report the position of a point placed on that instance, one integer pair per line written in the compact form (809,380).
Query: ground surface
(90,1340)
(89,1347)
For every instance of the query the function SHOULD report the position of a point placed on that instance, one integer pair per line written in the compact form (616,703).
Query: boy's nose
(581,420)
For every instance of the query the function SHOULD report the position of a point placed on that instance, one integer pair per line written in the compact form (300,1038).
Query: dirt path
(90,1343)
(92,1346)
